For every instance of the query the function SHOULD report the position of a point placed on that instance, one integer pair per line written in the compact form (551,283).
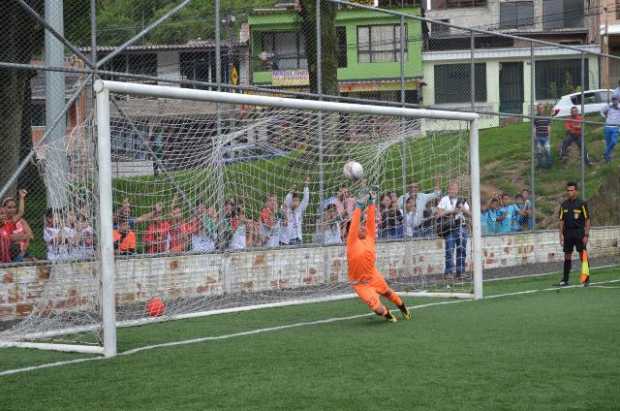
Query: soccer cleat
(405,312)
(390,317)
(561,284)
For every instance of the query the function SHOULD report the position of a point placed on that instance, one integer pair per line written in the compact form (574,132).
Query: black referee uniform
(575,215)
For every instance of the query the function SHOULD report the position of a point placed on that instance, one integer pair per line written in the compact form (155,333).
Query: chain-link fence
(525,71)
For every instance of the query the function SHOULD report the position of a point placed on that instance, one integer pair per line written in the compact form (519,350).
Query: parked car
(250,152)
(594,101)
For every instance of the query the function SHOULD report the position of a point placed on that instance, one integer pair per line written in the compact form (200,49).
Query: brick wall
(62,287)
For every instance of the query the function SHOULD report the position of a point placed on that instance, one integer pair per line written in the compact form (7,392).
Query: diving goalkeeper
(366,280)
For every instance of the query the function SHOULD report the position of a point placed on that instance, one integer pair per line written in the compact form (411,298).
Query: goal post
(152,164)
(103,88)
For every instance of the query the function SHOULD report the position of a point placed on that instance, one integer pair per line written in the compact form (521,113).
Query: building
(368,50)
(609,28)
(502,65)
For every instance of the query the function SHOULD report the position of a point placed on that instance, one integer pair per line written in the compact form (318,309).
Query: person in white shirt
(204,229)
(52,235)
(420,199)
(71,234)
(295,209)
(328,231)
(410,218)
(238,240)
(86,235)
(454,211)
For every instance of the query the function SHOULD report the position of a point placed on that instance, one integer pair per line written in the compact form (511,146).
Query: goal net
(182,203)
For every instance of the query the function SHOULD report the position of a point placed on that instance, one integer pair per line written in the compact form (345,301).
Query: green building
(368,52)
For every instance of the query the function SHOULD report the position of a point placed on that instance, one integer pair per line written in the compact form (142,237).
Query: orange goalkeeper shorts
(369,290)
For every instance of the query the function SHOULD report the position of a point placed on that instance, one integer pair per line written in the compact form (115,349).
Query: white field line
(283,327)
(516,277)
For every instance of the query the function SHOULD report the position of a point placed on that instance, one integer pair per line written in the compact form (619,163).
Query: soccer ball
(155,307)
(353,170)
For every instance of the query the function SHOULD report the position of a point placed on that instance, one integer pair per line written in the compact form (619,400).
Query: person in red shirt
(180,232)
(7,238)
(363,275)
(157,236)
(124,239)
(573,134)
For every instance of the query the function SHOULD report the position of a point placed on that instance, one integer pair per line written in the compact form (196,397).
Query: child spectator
(22,236)
(410,218)
(271,221)
(329,231)
(204,229)
(520,222)
(492,217)
(573,134)
(86,233)
(53,237)
(180,232)
(124,239)
(509,215)
(295,208)
(157,236)
(238,240)
(71,236)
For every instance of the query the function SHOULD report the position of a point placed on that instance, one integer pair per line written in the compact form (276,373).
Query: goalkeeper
(366,280)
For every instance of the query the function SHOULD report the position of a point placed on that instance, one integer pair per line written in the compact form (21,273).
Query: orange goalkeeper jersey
(362,253)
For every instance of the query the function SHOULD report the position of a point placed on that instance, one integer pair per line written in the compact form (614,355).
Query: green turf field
(545,350)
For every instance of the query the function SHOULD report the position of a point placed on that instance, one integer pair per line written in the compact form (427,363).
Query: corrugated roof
(190,45)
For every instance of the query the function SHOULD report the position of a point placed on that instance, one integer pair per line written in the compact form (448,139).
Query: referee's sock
(567,267)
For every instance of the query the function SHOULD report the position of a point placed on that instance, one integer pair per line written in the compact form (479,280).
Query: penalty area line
(282,327)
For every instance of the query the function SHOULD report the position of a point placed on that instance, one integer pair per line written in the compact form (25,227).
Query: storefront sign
(287,78)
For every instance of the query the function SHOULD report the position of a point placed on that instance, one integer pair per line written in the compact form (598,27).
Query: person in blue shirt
(509,215)
(490,223)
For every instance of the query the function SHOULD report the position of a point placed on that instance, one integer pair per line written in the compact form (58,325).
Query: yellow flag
(585,267)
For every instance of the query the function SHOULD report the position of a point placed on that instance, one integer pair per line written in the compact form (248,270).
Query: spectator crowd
(69,235)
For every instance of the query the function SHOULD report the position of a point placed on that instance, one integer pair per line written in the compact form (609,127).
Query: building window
(516,14)
(37,113)
(144,64)
(376,44)
(200,66)
(438,29)
(386,4)
(341,51)
(288,49)
(555,78)
(617,9)
(453,83)
(559,14)
(456,4)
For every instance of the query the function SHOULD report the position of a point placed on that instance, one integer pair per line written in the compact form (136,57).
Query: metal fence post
(403,146)
(319,90)
(56,167)
(583,134)
(219,143)
(532,216)
(472,74)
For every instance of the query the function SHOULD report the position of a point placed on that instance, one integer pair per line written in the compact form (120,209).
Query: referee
(574,229)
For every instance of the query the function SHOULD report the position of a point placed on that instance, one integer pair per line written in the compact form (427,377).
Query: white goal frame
(104,158)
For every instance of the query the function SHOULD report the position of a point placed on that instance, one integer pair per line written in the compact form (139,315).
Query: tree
(22,41)
(19,34)
(329,41)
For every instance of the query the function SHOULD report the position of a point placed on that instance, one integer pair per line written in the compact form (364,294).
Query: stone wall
(73,286)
